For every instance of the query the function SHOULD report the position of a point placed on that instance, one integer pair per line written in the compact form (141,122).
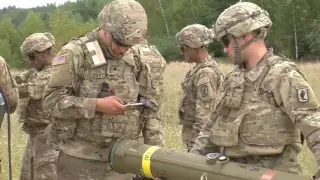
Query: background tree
(294,33)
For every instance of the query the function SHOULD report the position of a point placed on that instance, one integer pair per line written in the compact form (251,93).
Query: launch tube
(127,156)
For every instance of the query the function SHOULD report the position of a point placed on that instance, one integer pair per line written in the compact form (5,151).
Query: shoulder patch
(302,93)
(204,90)
(59,60)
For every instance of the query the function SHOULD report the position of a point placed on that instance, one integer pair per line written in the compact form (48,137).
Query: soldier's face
(189,54)
(228,43)
(117,47)
(36,60)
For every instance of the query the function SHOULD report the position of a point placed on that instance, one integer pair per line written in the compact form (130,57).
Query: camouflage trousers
(70,167)
(287,161)
(39,159)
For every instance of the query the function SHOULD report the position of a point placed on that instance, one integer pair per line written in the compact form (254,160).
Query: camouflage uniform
(22,80)
(79,70)
(199,86)
(262,114)
(9,86)
(39,158)
(150,55)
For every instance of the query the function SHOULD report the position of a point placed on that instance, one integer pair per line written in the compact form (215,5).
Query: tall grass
(173,77)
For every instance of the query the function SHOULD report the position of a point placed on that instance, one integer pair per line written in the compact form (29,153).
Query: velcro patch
(302,93)
(59,60)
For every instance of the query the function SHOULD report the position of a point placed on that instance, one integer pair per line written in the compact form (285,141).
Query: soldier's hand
(145,178)
(110,105)
(317,174)
(190,146)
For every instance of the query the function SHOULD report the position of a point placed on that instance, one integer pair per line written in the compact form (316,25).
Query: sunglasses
(31,57)
(183,47)
(118,43)
(226,40)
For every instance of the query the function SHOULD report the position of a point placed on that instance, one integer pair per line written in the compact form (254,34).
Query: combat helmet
(37,42)
(126,20)
(240,19)
(195,36)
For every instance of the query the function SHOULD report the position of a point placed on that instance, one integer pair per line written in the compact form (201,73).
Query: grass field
(173,77)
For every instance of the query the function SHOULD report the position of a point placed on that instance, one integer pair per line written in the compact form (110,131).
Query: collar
(254,73)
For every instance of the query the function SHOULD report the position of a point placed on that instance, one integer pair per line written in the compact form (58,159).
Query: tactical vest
(247,119)
(155,65)
(187,104)
(35,120)
(121,77)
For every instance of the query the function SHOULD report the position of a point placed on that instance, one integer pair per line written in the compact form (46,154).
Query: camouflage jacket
(79,70)
(9,85)
(199,93)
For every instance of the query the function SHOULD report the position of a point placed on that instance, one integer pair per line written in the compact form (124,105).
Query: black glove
(146,178)
(142,178)
(190,146)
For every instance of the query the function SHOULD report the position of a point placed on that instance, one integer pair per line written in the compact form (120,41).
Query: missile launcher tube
(127,156)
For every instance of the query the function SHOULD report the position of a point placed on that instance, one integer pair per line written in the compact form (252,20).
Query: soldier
(39,158)
(265,108)
(9,87)
(156,63)
(200,83)
(95,81)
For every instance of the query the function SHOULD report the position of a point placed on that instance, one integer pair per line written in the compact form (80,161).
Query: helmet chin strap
(237,49)
(107,51)
(111,54)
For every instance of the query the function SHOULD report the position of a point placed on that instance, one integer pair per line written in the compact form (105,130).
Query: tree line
(294,33)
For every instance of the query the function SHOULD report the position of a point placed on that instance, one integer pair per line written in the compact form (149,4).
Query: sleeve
(22,81)
(60,97)
(150,79)
(24,76)
(206,90)
(202,144)
(9,85)
(299,101)
(37,85)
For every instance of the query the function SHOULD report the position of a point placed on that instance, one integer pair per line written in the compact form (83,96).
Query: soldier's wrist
(98,104)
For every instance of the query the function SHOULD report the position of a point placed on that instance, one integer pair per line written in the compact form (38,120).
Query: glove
(142,178)
(317,174)
(190,146)
(145,178)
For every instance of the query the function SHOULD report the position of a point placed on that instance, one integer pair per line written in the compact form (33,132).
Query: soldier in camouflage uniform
(200,84)
(93,78)
(39,158)
(150,54)
(265,107)
(9,87)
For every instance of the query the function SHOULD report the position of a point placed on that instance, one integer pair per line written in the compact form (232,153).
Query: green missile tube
(127,156)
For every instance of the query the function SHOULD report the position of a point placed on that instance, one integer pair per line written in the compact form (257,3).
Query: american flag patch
(59,60)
